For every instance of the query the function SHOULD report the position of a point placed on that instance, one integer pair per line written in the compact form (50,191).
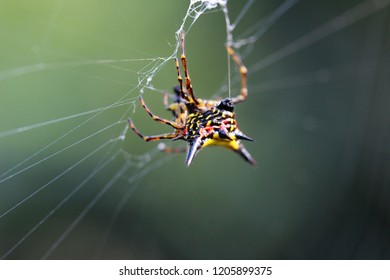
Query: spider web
(76,183)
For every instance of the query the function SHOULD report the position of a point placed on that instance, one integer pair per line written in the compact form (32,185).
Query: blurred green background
(319,116)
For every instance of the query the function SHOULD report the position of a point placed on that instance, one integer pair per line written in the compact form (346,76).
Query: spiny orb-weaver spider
(201,122)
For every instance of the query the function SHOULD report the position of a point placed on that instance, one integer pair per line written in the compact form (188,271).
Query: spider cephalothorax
(200,122)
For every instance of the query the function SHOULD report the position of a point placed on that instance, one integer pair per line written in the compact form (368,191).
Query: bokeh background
(319,115)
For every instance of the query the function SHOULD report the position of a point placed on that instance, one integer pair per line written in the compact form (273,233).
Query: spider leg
(187,76)
(154,137)
(180,79)
(169,150)
(243,71)
(157,118)
(165,100)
